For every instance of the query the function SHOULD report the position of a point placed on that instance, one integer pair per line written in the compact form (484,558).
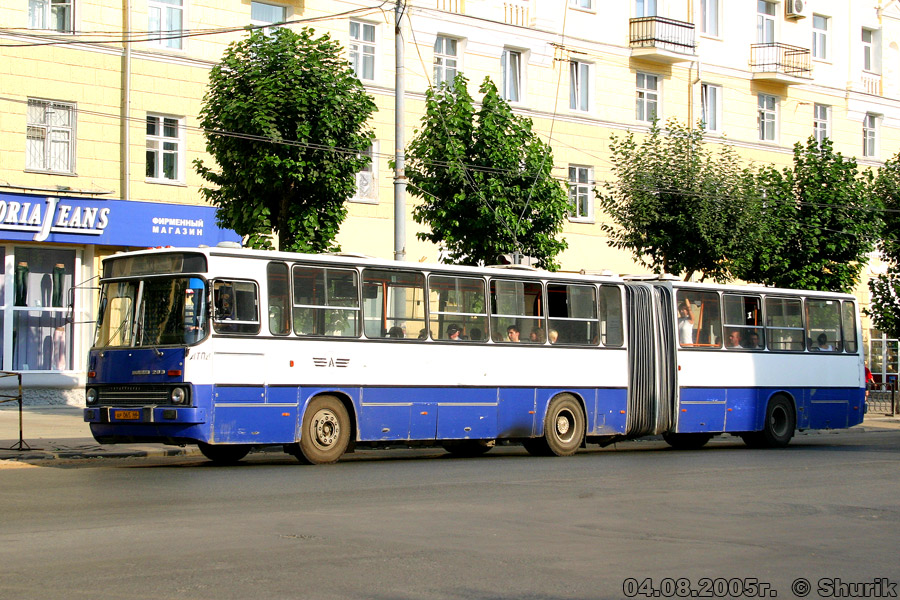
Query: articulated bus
(233,349)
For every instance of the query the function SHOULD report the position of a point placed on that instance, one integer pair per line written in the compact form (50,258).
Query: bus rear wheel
(223,454)
(467,448)
(564,428)
(778,428)
(687,441)
(325,433)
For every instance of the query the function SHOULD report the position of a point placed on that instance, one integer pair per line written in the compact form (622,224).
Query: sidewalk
(59,432)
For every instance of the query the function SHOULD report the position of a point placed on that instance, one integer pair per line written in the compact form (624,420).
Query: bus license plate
(127,415)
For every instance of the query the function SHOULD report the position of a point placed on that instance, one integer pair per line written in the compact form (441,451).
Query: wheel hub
(327,428)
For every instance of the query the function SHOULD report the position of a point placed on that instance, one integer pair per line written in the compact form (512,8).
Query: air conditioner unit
(795,9)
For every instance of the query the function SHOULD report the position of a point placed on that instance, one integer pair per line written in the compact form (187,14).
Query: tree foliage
(679,207)
(285,121)
(884,290)
(484,180)
(818,222)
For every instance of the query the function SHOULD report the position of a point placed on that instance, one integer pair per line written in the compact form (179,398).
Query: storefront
(52,248)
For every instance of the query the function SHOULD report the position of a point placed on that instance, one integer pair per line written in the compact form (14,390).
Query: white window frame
(513,81)
(869,57)
(447,63)
(41,15)
(821,122)
(710,17)
(580,82)
(767,117)
(646,8)
(56,140)
(163,11)
(367,179)
(261,22)
(711,107)
(581,181)
(166,145)
(361,49)
(820,38)
(766,28)
(648,103)
(582,4)
(870,135)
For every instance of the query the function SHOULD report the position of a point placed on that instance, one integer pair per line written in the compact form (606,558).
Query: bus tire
(778,428)
(687,441)
(325,433)
(224,454)
(467,448)
(563,429)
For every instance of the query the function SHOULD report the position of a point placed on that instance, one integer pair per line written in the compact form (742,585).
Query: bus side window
(699,319)
(823,325)
(573,314)
(848,316)
(279,299)
(326,301)
(236,307)
(612,332)
(394,305)
(784,324)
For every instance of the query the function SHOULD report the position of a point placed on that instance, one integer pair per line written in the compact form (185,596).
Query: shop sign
(58,219)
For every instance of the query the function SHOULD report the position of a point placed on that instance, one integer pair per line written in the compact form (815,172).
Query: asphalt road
(420,524)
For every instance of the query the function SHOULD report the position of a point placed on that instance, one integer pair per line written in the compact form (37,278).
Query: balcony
(780,63)
(661,40)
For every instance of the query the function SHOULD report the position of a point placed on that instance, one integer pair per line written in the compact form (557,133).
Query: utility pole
(399,153)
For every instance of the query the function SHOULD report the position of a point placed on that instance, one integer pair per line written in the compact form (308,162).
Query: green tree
(484,180)
(819,222)
(285,120)
(679,207)
(884,290)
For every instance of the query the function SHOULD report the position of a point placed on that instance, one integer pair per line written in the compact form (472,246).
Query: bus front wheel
(224,454)
(778,428)
(563,429)
(325,433)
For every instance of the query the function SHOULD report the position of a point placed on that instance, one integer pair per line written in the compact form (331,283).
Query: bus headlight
(91,395)
(178,395)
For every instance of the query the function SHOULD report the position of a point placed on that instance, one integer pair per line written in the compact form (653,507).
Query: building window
(55,15)
(820,37)
(580,197)
(164,148)
(579,85)
(765,22)
(366,181)
(647,97)
(446,61)
(511,65)
(586,4)
(50,138)
(267,14)
(821,122)
(166,18)
(645,8)
(362,50)
(711,106)
(868,43)
(766,117)
(709,18)
(870,135)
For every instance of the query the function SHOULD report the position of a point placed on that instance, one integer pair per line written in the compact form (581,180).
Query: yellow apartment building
(99,104)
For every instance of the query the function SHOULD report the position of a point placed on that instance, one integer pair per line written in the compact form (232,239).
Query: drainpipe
(125,152)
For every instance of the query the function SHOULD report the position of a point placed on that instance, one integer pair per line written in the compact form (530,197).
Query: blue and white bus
(232,349)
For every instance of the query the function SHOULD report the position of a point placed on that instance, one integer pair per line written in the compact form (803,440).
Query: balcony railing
(454,6)
(516,12)
(871,84)
(662,33)
(781,59)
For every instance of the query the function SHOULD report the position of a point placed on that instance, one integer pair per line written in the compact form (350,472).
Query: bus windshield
(154,312)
